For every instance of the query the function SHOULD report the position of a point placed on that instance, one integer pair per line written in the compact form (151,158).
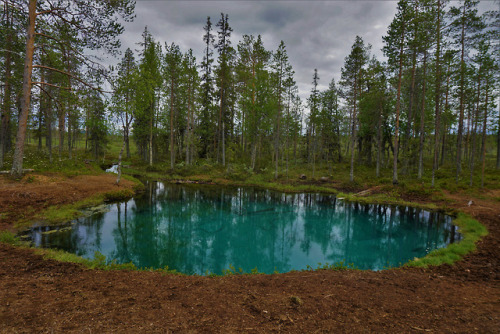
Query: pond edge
(470,229)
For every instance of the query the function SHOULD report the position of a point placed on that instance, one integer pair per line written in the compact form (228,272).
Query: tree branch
(49,84)
(71,75)
(49,95)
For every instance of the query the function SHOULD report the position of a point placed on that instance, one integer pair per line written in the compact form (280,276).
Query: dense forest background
(432,104)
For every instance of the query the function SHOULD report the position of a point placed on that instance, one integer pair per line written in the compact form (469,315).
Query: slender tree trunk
(437,99)
(379,140)
(223,144)
(313,138)
(254,154)
(483,154)
(474,131)
(17,163)
(188,128)
(277,141)
(353,139)
(41,107)
(498,139)
(172,150)
(408,137)
(5,118)
(422,127)
(152,106)
(69,107)
(223,134)
(118,177)
(48,122)
(127,129)
(61,126)
(398,106)
(69,134)
(40,124)
(461,116)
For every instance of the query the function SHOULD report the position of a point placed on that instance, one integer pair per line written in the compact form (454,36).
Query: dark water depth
(200,229)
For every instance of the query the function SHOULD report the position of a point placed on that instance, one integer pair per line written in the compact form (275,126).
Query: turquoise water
(200,229)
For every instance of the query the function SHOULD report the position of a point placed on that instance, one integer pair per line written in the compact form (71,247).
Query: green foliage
(338,266)
(296,300)
(118,195)
(9,238)
(98,262)
(64,213)
(40,162)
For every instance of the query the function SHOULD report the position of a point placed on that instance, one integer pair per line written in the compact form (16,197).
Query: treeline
(433,100)
(239,105)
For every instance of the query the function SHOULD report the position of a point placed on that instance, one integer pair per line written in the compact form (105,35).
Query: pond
(200,229)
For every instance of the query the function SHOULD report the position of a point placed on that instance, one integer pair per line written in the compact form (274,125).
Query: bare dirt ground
(45,296)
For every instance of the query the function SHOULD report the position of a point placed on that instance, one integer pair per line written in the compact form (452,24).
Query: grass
(61,214)
(471,231)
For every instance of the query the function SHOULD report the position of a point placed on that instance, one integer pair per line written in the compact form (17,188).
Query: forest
(431,103)
(364,198)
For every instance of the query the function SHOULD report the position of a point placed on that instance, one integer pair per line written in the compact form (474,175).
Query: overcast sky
(317,34)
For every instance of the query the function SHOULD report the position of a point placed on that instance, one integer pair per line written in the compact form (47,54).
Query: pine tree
(223,82)
(94,26)
(464,25)
(123,100)
(313,120)
(282,71)
(351,82)
(205,128)
(191,82)
(173,73)
(395,42)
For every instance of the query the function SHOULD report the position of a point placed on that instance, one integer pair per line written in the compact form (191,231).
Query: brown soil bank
(46,296)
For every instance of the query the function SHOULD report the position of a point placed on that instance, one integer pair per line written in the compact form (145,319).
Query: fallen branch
(367,191)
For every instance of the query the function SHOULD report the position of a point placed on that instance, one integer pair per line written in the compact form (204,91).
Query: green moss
(118,195)
(63,213)
(99,261)
(471,231)
(10,238)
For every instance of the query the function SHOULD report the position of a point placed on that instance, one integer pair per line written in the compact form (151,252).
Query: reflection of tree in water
(198,228)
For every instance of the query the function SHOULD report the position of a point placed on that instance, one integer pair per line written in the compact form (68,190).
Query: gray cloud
(317,34)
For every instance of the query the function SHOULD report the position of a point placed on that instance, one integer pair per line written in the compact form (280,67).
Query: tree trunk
(188,127)
(437,96)
(483,155)
(379,140)
(119,169)
(172,150)
(353,139)
(69,116)
(408,135)
(398,105)
(474,131)
(17,163)
(461,116)
(5,118)
(152,106)
(127,129)
(422,127)
(498,139)
(62,115)
(277,140)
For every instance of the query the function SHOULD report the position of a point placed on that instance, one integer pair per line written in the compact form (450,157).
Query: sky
(317,34)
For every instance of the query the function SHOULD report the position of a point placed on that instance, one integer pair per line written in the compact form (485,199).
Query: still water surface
(200,229)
